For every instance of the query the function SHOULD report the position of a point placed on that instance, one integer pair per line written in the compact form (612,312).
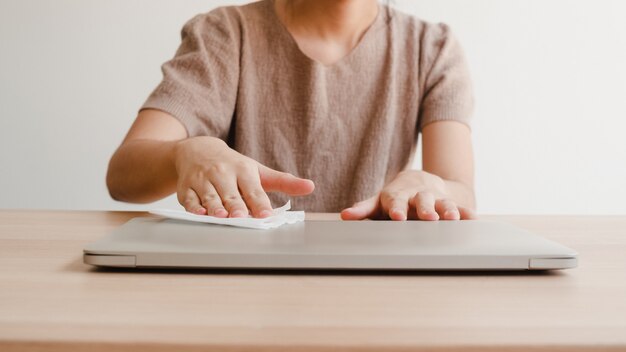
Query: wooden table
(51,301)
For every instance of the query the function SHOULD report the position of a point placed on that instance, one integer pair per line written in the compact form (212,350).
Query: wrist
(187,150)
(174,154)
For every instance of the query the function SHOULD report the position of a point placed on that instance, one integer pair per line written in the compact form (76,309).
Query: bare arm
(448,153)
(157,159)
(142,169)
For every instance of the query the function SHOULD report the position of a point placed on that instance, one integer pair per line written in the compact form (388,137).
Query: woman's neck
(333,20)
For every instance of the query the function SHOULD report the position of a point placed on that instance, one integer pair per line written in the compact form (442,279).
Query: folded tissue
(279,217)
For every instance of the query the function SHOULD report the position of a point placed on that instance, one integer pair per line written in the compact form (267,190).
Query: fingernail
(220,212)
(348,210)
(452,214)
(199,211)
(399,213)
(237,214)
(426,214)
(265,213)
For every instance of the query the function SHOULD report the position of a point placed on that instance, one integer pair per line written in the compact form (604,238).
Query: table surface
(51,301)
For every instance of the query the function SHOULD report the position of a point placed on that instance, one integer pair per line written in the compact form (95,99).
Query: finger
(211,201)
(368,208)
(424,203)
(189,199)
(467,213)
(396,204)
(254,195)
(276,181)
(447,209)
(227,188)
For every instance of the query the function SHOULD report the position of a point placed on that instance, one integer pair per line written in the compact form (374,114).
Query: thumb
(368,208)
(276,181)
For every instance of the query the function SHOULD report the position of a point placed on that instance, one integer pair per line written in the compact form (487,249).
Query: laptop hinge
(552,263)
(110,260)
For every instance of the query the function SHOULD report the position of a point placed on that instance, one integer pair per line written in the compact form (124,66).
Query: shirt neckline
(365,38)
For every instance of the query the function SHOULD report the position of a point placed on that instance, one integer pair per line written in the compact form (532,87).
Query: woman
(263,99)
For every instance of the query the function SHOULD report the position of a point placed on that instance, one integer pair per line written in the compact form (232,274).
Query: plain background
(549,77)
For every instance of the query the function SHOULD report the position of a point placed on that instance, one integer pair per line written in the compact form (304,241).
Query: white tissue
(279,217)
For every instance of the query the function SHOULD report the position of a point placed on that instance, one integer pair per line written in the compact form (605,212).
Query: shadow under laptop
(318,272)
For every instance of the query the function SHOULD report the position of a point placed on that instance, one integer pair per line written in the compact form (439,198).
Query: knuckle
(256,194)
(448,205)
(181,191)
(447,202)
(391,196)
(232,198)
(425,196)
(218,169)
(188,200)
(210,198)
(421,195)
(244,165)
(231,201)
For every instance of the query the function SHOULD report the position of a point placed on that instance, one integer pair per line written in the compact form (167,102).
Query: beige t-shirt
(351,127)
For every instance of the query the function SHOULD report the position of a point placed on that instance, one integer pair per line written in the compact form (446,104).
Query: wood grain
(51,301)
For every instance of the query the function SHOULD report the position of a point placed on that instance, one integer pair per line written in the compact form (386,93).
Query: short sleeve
(199,85)
(447,87)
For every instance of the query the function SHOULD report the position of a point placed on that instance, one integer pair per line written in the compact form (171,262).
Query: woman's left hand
(412,195)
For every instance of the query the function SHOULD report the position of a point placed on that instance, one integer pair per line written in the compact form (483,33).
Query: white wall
(549,75)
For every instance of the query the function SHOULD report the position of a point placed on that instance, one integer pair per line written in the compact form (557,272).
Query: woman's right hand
(215,180)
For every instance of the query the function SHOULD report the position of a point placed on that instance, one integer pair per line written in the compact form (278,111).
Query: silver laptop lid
(372,245)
